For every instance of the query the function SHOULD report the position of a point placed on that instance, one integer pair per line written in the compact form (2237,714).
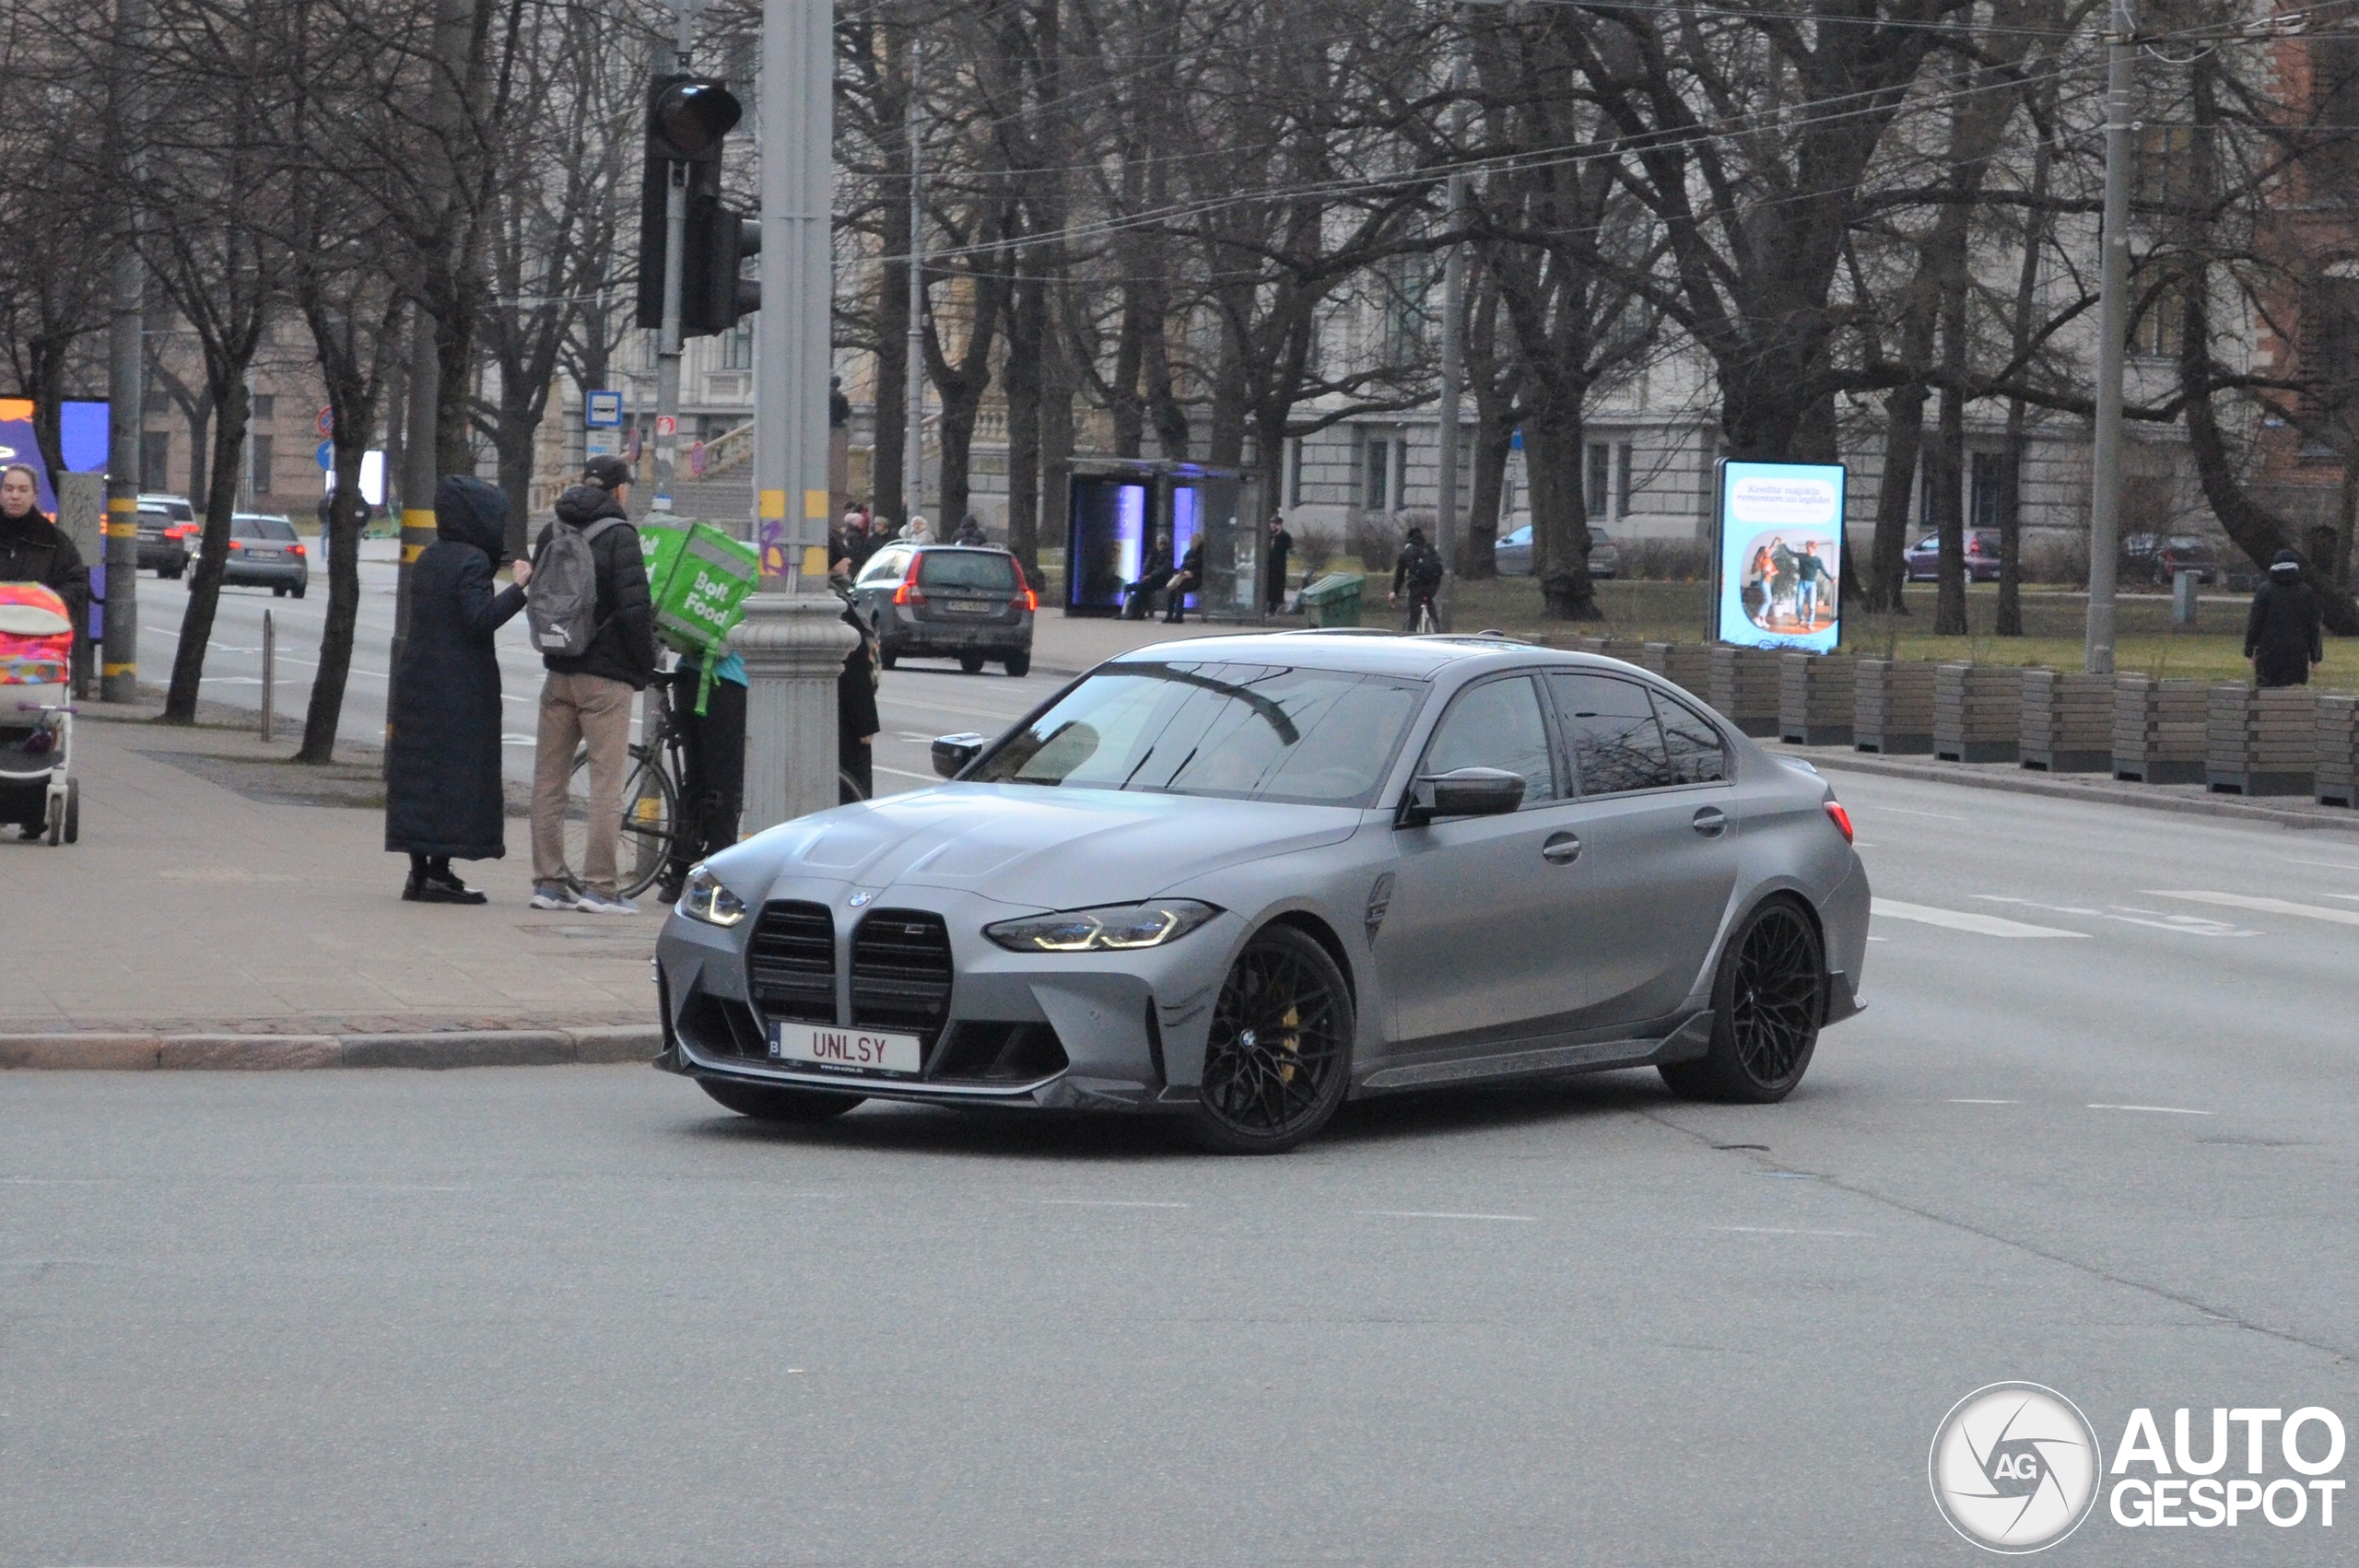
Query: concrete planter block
(2158,729)
(1892,710)
(2337,777)
(1978,712)
(1629,650)
(1817,698)
(2068,722)
(2261,742)
(1687,665)
(1743,684)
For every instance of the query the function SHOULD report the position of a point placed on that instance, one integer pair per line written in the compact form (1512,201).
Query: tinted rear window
(262,528)
(979,570)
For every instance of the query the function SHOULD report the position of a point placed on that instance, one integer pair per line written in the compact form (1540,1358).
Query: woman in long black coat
(2282,632)
(443,800)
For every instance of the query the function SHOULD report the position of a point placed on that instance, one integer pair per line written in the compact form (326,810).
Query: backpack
(1424,568)
(561,601)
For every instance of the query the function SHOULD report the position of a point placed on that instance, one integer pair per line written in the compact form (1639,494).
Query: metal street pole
(793,638)
(914,423)
(418,467)
(1453,350)
(126,394)
(675,245)
(2113,324)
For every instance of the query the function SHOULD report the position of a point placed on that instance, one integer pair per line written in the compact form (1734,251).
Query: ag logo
(2014,1467)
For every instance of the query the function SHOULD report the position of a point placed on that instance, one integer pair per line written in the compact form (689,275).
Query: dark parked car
(2163,556)
(963,601)
(1924,557)
(1511,555)
(166,534)
(266,552)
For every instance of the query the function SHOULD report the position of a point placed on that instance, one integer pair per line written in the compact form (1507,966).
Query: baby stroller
(38,791)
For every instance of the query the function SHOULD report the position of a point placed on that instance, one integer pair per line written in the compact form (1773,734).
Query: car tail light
(1840,818)
(237,544)
(1024,585)
(908,593)
(180,531)
(1031,599)
(294,549)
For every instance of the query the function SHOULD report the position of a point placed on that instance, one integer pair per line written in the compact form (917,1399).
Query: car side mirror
(952,752)
(1464,791)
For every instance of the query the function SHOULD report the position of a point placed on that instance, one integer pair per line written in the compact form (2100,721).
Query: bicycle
(653,832)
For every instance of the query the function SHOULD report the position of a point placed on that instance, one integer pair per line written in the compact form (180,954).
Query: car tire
(1767,1002)
(278,591)
(1280,1056)
(971,662)
(1019,665)
(764,1102)
(299,588)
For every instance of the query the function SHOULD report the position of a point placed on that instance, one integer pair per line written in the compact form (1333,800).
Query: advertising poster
(1778,556)
(17,444)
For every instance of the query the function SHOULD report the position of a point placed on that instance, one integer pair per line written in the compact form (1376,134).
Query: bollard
(269,669)
(2183,587)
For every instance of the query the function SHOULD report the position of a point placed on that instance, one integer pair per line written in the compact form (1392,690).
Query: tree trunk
(1904,435)
(1553,437)
(199,413)
(1056,440)
(455,446)
(1026,338)
(325,713)
(512,440)
(2009,621)
(1494,435)
(892,368)
(213,553)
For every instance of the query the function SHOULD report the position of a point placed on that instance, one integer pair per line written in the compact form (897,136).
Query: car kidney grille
(900,972)
(790,962)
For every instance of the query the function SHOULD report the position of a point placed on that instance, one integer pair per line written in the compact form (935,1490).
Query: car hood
(1044,848)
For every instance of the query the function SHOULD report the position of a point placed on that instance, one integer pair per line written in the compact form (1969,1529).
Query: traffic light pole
(2113,332)
(668,340)
(793,638)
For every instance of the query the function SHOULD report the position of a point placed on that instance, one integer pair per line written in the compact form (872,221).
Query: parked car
(166,534)
(965,602)
(266,552)
(1240,880)
(1511,555)
(1924,557)
(2163,556)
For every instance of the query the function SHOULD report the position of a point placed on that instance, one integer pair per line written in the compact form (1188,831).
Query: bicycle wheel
(848,788)
(651,817)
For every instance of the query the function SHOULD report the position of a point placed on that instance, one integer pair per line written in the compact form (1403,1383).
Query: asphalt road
(2095,1132)
(919,701)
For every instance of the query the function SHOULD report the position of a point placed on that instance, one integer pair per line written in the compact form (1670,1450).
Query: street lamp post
(2113,326)
(1453,350)
(793,638)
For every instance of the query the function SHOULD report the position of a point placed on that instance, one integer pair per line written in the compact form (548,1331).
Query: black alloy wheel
(765,1101)
(1279,1058)
(1767,1002)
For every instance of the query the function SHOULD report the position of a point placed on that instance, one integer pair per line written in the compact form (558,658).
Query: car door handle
(1562,849)
(1711,822)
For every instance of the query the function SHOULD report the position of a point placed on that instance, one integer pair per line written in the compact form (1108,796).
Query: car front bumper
(1128,1029)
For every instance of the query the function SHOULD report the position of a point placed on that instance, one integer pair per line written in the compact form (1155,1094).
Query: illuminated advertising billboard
(1777,556)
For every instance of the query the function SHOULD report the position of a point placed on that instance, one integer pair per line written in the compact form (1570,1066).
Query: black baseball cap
(606,473)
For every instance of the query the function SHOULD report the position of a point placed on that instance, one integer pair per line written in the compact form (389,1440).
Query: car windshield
(262,528)
(1244,731)
(981,570)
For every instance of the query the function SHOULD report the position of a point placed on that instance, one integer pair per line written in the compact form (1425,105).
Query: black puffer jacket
(2282,632)
(623,648)
(443,792)
(33,549)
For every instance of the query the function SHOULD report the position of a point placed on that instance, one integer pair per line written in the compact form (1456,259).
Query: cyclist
(712,755)
(1419,572)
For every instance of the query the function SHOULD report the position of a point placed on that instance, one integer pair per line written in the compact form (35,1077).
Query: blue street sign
(603,410)
(327,456)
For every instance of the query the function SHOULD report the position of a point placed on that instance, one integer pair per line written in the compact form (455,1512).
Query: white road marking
(2130,914)
(2351,895)
(1904,811)
(1782,1231)
(1100,1203)
(1963,920)
(1431,1214)
(2264,905)
(2332,865)
(1986,1101)
(2159,1110)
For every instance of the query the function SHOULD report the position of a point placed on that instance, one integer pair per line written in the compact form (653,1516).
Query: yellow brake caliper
(1292,1043)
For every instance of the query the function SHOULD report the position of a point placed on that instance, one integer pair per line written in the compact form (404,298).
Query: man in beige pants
(586,700)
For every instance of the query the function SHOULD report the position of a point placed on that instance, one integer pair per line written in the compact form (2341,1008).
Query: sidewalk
(220,890)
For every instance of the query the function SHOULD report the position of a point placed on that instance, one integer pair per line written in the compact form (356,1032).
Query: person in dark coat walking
(856,719)
(443,800)
(1273,580)
(33,549)
(2281,634)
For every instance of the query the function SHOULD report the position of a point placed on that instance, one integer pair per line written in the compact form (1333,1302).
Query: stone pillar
(794,645)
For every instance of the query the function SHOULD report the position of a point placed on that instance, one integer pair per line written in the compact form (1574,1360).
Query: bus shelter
(1121,508)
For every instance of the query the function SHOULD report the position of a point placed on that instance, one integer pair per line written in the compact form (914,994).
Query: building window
(2162,171)
(1404,310)
(737,347)
(1597,479)
(2329,363)
(2160,328)
(1376,481)
(263,445)
(1991,472)
(157,400)
(1294,473)
(1622,481)
(265,406)
(155,460)
(2332,156)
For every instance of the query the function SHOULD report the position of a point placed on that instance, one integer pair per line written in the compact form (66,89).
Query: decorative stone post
(794,645)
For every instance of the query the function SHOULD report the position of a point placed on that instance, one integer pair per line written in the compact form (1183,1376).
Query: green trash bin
(1333,599)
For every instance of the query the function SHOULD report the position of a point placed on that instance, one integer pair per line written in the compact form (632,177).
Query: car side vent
(900,972)
(790,962)
(985,1052)
(715,1026)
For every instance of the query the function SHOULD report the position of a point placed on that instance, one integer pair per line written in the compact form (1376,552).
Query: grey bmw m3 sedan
(1242,878)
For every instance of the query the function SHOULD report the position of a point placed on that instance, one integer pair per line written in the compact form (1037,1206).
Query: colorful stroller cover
(36,637)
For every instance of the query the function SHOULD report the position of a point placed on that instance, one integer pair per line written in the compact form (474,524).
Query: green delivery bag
(700,594)
(659,546)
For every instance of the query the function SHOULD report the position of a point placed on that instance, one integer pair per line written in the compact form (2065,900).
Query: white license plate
(263,554)
(863,1051)
(969,606)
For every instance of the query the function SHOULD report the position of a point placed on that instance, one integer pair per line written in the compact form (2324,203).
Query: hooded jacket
(442,786)
(2281,633)
(33,549)
(623,648)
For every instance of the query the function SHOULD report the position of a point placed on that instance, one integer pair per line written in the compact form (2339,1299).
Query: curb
(456,1048)
(2032,783)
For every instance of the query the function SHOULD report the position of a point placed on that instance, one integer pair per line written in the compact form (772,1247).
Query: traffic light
(688,119)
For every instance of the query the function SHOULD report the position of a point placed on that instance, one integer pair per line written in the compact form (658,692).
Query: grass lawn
(2146,641)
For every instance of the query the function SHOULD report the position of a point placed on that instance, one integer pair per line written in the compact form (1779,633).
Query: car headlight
(705,899)
(1107,928)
